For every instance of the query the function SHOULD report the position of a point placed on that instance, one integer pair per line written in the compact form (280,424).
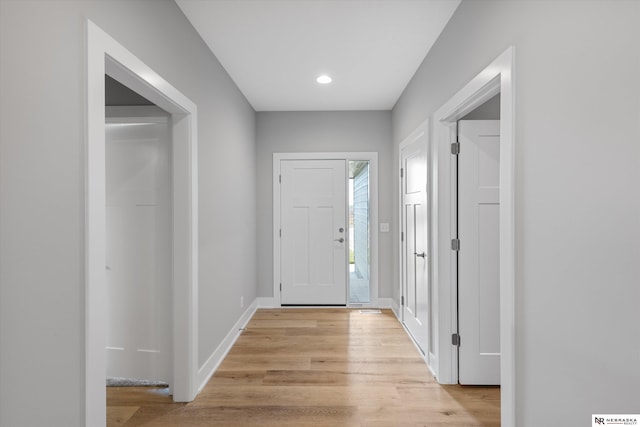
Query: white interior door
(313,232)
(415,256)
(138,250)
(478,257)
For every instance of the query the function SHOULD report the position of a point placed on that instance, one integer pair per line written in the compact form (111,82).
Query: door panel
(313,213)
(410,263)
(138,252)
(421,267)
(488,278)
(478,258)
(415,253)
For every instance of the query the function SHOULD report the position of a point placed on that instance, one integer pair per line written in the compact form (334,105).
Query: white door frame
(107,56)
(496,78)
(372,157)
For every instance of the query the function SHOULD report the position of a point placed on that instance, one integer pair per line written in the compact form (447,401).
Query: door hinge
(280,287)
(455,148)
(455,244)
(280,232)
(280,179)
(402,236)
(455,340)
(401,172)
(402,300)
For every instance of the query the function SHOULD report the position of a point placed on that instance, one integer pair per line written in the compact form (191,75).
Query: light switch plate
(384,227)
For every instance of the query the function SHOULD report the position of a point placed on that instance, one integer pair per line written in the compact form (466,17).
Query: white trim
(267,302)
(415,344)
(395,307)
(372,157)
(417,347)
(134,113)
(385,303)
(498,77)
(213,362)
(106,56)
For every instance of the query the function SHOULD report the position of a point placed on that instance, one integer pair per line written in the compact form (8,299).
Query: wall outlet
(241,302)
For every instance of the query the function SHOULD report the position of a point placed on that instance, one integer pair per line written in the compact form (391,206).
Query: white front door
(415,256)
(138,251)
(314,232)
(478,257)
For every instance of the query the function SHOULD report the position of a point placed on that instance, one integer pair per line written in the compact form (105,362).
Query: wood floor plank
(374,364)
(236,377)
(295,395)
(118,415)
(302,314)
(282,323)
(340,378)
(244,362)
(315,367)
(136,396)
(263,416)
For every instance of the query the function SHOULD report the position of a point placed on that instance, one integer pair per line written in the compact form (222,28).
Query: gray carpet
(132,382)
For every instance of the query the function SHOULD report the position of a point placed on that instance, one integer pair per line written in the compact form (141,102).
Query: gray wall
(283,132)
(577,171)
(490,110)
(42,103)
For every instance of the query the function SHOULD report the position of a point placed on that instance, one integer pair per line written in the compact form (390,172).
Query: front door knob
(340,240)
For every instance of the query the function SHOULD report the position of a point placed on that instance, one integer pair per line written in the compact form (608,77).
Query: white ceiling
(275,49)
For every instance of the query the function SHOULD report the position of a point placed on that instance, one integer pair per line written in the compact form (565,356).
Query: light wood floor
(315,367)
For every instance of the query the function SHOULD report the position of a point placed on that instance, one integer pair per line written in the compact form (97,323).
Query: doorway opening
(359,233)
(289,212)
(138,219)
(477,199)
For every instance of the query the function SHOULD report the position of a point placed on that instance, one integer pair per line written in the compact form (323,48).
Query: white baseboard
(385,302)
(213,362)
(267,302)
(396,309)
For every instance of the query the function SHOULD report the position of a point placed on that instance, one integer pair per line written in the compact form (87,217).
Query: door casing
(106,56)
(496,78)
(372,157)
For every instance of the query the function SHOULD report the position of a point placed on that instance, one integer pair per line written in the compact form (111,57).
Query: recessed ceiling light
(324,79)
